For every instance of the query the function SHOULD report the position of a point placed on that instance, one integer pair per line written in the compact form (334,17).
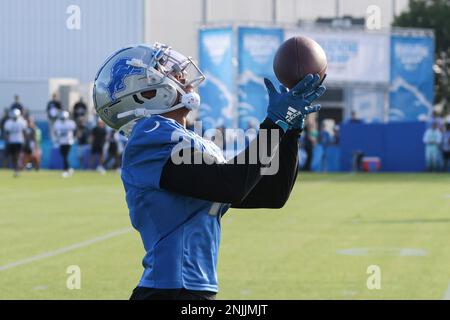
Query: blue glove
(288,109)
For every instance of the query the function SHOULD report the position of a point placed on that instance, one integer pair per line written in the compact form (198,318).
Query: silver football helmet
(142,80)
(15,114)
(64,115)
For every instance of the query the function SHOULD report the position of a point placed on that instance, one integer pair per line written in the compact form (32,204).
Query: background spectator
(64,130)
(2,123)
(98,139)
(82,135)
(112,150)
(17,104)
(79,110)
(336,135)
(354,117)
(446,146)
(325,142)
(54,108)
(32,149)
(307,142)
(437,118)
(15,137)
(432,139)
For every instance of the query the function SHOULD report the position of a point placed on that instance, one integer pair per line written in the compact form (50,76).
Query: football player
(14,129)
(64,129)
(146,92)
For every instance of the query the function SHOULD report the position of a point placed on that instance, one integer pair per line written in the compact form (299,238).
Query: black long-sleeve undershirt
(240,183)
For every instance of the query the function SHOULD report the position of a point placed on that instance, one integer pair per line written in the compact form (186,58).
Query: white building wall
(175,22)
(36,45)
(35,42)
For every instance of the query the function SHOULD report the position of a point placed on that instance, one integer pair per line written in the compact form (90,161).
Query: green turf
(265,254)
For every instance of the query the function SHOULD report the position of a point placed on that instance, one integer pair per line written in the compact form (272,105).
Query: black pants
(13,151)
(309,156)
(64,149)
(142,293)
(446,155)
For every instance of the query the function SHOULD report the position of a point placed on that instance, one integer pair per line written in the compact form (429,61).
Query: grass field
(318,246)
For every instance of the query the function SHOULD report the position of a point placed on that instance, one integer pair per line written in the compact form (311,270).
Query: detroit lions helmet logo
(119,72)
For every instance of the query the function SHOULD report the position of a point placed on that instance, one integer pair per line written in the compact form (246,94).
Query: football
(297,57)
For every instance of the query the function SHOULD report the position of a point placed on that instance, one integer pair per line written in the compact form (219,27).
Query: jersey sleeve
(229,182)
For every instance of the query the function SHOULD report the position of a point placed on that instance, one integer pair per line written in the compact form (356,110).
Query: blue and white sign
(256,50)
(412,78)
(369,104)
(352,56)
(216,62)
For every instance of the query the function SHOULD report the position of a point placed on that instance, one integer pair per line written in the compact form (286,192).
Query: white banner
(352,56)
(369,104)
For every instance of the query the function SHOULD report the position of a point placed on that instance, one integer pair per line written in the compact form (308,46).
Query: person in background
(82,135)
(112,150)
(121,142)
(15,137)
(336,135)
(446,146)
(32,150)
(54,108)
(64,132)
(5,117)
(17,105)
(98,139)
(432,140)
(436,117)
(307,142)
(79,110)
(354,117)
(325,142)
(4,158)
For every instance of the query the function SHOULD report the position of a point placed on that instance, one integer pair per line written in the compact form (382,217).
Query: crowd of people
(97,146)
(437,144)
(21,138)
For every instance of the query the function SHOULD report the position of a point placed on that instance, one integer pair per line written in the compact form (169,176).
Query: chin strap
(190,100)
(137,113)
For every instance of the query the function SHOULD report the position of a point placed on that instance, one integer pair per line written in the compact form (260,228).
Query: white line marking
(400,252)
(447,293)
(64,249)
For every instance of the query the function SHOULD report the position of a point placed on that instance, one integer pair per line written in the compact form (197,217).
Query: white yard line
(447,293)
(62,250)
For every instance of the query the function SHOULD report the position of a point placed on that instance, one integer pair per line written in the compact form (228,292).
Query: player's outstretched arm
(273,191)
(232,183)
(222,182)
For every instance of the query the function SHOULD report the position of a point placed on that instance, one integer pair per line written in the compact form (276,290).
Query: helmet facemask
(168,66)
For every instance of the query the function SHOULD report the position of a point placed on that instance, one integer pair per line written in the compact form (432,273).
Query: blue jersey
(181,234)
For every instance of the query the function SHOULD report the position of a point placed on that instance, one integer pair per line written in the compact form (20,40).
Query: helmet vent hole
(150,94)
(137,100)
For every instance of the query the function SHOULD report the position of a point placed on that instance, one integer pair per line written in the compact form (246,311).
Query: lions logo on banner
(216,62)
(412,78)
(257,48)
